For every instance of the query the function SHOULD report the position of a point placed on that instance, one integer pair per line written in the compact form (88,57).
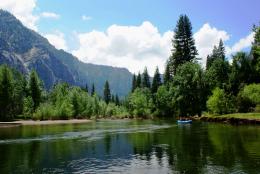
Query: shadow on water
(129,146)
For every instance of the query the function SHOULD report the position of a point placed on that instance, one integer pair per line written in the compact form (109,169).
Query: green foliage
(256,51)
(220,103)
(107,94)
(217,74)
(35,89)
(138,81)
(189,86)
(146,79)
(28,107)
(156,81)
(252,92)
(217,53)
(140,102)
(93,91)
(6,93)
(184,49)
(134,83)
(167,75)
(164,103)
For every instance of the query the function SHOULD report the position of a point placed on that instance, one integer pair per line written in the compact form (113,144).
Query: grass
(255,116)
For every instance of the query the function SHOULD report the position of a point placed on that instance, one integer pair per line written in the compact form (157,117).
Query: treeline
(25,98)
(187,89)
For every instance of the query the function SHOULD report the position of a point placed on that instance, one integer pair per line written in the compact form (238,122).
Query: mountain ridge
(25,49)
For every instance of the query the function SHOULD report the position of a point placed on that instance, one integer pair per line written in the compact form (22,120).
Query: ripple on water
(90,135)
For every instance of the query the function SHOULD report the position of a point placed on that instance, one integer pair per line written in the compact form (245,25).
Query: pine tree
(117,102)
(217,53)
(167,76)
(35,89)
(146,79)
(107,94)
(134,83)
(255,52)
(184,49)
(86,87)
(221,50)
(6,93)
(113,99)
(93,89)
(156,81)
(138,81)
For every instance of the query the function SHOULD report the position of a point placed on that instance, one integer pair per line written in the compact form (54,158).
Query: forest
(185,89)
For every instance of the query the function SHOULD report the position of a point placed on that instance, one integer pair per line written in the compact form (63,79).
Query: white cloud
(241,44)
(23,10)
(86,18)
(206,38)
(132,47)
(57,39)
(50,15)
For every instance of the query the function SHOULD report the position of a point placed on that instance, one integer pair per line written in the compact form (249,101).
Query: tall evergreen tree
(35,89)
(134,83)
(112,98)
(86,87)
(184,49)
(93,89)
(167,75)
(146,79)
(156,81)
(107,94)
(256,53)
(117,102)
(6,93)
(138,80)
(217,53)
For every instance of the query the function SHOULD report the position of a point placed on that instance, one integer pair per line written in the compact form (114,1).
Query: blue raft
(184,121)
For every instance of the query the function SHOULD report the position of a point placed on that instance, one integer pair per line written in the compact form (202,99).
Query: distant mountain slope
(25,49)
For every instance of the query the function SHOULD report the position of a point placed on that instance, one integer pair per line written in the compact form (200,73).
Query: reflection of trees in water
(192,149)
(187,149)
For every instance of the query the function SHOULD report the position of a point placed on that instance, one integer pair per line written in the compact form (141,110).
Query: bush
(220,103)
(44,112)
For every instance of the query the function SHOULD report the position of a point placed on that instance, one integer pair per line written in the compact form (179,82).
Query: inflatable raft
(184,121)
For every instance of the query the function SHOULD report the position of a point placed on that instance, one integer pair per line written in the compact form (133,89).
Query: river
(130,146)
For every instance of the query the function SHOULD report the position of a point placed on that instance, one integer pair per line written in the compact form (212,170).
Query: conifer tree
(146,79)
(134,83)
(112,98)
(6,93)
(117,102)
(156,81)
(35,89)
(107,94)
(217,53)
(93,89)
(138,81)
(184,49)
(167,76)
(86,87)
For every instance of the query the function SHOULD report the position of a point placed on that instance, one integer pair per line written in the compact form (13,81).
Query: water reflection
(131,147)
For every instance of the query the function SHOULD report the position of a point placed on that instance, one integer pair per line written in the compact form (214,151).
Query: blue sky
(102,35)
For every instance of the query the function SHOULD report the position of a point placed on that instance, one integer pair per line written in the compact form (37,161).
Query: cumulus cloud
(132,47)
(86,18)
(206,37)
(57,39)
(241,44)
(23,10)
(50,15)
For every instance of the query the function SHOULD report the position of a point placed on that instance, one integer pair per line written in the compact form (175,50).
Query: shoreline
(43,122)
(235,119)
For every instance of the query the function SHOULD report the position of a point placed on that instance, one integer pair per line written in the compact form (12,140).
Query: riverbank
(237,118)
(44,122)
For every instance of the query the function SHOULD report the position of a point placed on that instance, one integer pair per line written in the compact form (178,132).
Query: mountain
(24,49)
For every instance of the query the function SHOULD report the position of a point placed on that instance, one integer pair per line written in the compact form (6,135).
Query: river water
(130,146)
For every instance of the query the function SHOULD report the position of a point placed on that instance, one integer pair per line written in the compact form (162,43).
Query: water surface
(128,146)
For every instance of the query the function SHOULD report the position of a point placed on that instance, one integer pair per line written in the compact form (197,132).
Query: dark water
(130,147)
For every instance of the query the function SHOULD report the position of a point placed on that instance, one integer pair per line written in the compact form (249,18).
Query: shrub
(220,103)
